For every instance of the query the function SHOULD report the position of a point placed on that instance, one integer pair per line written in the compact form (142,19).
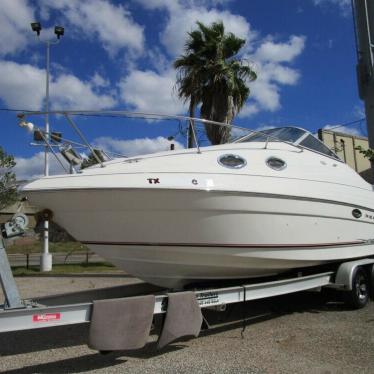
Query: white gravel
(299,333)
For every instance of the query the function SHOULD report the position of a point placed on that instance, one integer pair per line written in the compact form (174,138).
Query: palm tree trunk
(226,131)
(218,109)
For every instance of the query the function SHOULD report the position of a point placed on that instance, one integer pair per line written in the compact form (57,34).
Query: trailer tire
(371,274)
(358,297)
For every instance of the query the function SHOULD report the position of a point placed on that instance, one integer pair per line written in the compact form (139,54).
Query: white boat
(262,205)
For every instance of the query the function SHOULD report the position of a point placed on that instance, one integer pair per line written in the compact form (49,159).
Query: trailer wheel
(372,282)
(358,297)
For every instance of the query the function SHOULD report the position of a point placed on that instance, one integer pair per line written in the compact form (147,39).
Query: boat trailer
(121,317)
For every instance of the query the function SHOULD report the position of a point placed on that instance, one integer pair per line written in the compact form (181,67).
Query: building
(344,145)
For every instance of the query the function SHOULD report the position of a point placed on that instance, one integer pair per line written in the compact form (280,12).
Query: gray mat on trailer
(121,324)
(183,318)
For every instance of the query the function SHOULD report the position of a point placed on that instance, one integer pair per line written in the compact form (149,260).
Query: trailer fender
(346,270)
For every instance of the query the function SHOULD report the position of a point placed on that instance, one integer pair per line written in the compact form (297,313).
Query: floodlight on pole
(46,258)
(37,27)
(59,31)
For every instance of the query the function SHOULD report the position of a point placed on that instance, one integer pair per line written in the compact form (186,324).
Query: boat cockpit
(293,135)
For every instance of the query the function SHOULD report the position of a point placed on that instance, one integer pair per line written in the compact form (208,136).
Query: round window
(356,213)
(276,163)
(232,161)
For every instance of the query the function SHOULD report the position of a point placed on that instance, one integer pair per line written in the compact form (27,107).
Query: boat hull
(172,237)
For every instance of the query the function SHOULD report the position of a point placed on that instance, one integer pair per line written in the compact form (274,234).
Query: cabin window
(232,161)
(276,163)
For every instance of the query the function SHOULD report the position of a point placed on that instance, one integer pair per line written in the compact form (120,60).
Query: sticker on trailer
(208,298)
(47,317)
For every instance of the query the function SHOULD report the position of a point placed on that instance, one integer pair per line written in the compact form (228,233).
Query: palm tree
(8,185)
(210,75)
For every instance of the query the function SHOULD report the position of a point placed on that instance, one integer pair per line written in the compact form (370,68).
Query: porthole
(276,163)
(356,213)
(232,161)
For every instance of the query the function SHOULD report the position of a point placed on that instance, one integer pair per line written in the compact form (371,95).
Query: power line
(14,110)
(356,122)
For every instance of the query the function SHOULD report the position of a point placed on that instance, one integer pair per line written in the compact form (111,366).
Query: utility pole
(363,13)
(46,258)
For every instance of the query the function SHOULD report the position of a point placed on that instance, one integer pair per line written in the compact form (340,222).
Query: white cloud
(266,94)
(279,73)
(269,56)
(249,110)
(270,60)
(160,4)
(344,5)
(337,2)
(359,111)
(265,91)
(264,127)
(344,129)
(158,60)
(33,167)
(99,19)
(151,91)
(112,24)
(154,91)
(183,16)
(174,5)
(135,147)
(99,81)
(67,91)
(15,19)
(271,51)
(184,20)
(209,3)
(22,86)
(148,91)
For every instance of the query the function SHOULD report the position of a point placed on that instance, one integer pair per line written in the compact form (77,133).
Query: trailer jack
(16,226)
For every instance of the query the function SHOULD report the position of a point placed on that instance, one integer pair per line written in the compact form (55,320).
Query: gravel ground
(301,333)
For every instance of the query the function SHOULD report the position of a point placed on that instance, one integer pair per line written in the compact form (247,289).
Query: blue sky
(119,54)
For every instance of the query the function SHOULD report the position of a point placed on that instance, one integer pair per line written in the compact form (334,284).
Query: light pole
(46,258)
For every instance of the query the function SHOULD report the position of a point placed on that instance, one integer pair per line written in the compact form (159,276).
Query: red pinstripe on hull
(146,244)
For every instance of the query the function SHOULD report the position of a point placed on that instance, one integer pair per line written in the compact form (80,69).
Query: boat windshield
(285,134)
(294,135)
